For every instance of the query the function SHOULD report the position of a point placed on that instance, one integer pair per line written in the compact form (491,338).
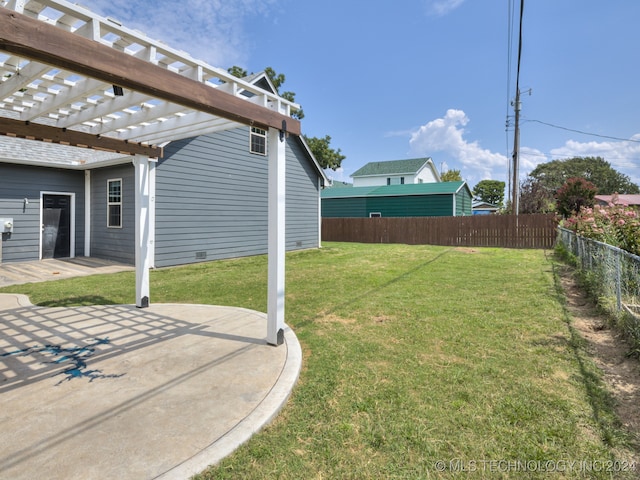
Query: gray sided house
(210,203)
(440,199)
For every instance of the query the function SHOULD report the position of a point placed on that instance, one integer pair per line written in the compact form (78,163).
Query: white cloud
(209,30)
(447,135)
(442,7)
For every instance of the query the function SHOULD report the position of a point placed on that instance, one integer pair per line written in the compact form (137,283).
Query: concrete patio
(17,273)
(121,392)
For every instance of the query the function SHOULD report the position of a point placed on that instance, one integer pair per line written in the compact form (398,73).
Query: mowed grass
(418,361)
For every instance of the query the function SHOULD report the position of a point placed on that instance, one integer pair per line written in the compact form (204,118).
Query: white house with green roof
(396,172)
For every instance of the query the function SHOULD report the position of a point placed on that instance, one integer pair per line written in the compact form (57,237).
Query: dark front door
(56,226)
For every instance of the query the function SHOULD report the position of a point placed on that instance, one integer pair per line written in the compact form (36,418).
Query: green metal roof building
(442,199)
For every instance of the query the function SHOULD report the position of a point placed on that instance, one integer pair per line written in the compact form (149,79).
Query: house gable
(396,172)
(260,80)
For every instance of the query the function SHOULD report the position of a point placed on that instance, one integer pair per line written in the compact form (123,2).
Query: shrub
(573,195)
(616,225)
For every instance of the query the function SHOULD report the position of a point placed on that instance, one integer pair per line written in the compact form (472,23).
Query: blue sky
(433,78)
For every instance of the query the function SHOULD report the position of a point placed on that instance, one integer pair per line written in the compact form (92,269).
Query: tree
(237,71)
(535,198)
(596,170)
(575,194)
(491,191)
(320,147)
(327,157)
(451,176)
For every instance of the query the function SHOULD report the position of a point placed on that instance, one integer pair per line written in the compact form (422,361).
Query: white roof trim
(325,179)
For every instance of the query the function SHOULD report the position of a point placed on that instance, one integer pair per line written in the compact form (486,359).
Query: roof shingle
(392,167)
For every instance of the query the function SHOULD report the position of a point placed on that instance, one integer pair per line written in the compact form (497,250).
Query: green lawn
(413,355)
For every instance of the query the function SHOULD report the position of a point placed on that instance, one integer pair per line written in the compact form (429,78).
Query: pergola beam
(36,40)
(45,133)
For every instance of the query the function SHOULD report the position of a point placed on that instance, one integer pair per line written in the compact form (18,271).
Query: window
(401,180)
(375,215)
(114,203)
(258,141)
(388,181)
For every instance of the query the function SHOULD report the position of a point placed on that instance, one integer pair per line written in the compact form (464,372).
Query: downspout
(319,212)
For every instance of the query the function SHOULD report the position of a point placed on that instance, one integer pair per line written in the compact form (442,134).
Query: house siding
(113,243)
(402,206)
(210,203)
(463,203)
(411,206)
(211,199)
(353,207)
(426,175)
(302,195)
(20,182)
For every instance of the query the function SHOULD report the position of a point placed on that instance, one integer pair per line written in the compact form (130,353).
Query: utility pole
(515,183)
(515,194)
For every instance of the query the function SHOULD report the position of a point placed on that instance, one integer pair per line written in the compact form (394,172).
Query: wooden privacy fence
(524,231)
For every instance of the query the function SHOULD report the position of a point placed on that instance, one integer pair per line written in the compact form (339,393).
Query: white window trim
(259,132)
(375,215)
(109,203)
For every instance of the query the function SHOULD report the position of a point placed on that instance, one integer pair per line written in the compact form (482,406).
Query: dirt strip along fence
(509,231)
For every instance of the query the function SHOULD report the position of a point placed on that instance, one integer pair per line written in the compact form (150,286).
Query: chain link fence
(613,277)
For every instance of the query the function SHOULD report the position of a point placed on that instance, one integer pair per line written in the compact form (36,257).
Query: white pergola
(95,91)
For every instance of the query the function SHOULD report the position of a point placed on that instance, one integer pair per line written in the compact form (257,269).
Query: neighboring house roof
(479,204)
(440,188)
(623,199)
(396,167)
(335,184)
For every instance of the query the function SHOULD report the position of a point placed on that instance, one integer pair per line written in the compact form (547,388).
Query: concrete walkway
(54,269)
(127,393)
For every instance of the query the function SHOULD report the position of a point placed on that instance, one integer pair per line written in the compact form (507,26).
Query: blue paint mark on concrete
(74,355)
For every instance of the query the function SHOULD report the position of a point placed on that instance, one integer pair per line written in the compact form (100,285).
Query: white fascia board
(325,179)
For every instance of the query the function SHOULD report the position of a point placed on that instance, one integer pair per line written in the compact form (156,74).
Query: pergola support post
(143,192)
(276,236)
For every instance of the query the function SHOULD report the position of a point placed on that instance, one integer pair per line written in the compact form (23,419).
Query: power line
(583,133)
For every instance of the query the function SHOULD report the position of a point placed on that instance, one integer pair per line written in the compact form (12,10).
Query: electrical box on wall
(6,225)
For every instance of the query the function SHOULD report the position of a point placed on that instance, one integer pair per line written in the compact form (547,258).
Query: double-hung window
(114,203)
(258,141)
